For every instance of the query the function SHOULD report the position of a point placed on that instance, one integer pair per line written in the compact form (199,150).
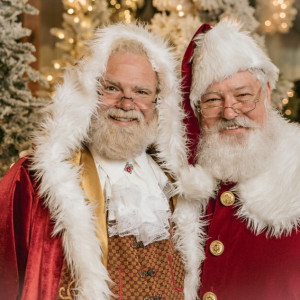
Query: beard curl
(118,142)
(238,157)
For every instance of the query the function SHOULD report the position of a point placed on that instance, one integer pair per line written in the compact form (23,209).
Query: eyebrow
(109,80)
(234,89)
(137,87)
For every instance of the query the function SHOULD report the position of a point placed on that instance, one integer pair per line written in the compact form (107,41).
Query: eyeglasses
(143,98)
(214,107)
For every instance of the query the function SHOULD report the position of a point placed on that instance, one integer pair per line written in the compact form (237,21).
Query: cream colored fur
(65,129)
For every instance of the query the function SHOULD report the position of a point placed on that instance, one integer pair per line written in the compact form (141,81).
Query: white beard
(237,158)
(121,142)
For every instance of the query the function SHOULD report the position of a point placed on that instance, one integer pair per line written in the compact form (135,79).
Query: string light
(61,36)
(179,8)
(90,8)
(76,20)
(70,11)
(290,94)
(268,23)
(56,66)
(285,101)
(276,15)
(288,112)
(49,77)
(282,15)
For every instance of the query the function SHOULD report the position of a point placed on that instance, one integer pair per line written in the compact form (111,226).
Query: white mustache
(118,113)
(240,121)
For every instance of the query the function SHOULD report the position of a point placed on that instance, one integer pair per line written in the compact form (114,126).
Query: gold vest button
(216,248)
(209,296)
(227,198)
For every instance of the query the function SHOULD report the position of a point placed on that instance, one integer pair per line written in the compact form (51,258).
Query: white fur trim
(223,51)
(271,200)
(189,241)
(66,127)
(195,183)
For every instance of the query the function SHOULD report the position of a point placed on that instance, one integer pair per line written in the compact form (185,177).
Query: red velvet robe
(251,266)
(30,258)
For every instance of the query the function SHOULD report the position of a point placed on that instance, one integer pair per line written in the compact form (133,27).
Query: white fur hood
(63,132)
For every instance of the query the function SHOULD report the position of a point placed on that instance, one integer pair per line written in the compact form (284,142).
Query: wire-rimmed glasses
(214,107)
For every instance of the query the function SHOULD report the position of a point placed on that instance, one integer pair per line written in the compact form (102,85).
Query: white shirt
(135,201)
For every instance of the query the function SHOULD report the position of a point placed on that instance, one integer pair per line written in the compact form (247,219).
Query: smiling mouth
(232,127)
(123,119)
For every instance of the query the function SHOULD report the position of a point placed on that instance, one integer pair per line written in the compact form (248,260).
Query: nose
(126,102)
(228,111)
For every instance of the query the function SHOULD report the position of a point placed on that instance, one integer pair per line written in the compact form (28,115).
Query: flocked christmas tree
(18,109)
(178,20)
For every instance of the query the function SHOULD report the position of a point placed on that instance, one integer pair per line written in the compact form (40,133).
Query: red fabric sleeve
(30,257)
(16,197)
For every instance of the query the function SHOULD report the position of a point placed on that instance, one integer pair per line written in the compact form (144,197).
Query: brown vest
(153,272)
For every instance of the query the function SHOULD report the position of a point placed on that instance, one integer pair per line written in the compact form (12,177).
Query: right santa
(239,210)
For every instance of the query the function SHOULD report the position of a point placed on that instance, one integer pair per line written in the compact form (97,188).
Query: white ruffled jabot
(135,200)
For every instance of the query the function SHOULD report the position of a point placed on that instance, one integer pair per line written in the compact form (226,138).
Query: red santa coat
(31,254)
(30,257)
(251,266)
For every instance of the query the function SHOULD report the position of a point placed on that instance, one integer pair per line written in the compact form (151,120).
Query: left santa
(88,214)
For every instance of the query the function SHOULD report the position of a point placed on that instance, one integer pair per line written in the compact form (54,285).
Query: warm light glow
(118,6)
(76,20)
(282,15)
(181,14)
(61,35)
(56,66)
(113,2)
(49,77)
(179,7)
(288,112)
(71,1)
(268,23)
(70,11)
(284,25)
(280,1)
(290,94)
(71,41)
(83,2)
(275,3)
(90,8)
(283,6)
(285,101)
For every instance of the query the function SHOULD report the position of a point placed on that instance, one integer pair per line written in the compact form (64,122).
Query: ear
(269,92)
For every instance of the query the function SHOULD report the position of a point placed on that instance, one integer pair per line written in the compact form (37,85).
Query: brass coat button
(227,198)
(209,296)
(216,248)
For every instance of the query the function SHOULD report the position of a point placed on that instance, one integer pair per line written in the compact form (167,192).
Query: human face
(129,83)
(231,88)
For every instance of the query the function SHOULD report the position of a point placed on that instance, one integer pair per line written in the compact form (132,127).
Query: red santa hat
(214,54)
